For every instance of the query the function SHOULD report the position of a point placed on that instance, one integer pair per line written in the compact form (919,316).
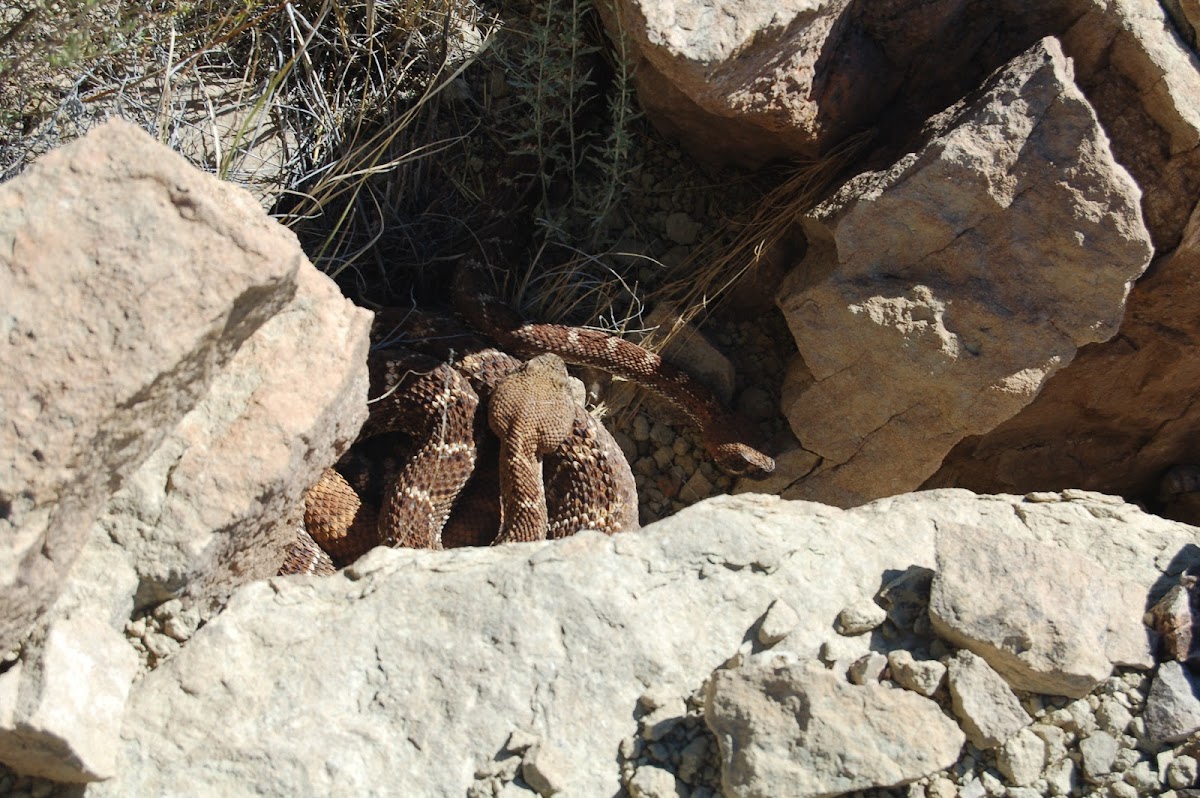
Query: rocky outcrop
(165,421)
(747,82)
(1125,411)
(96,272)
(797,730)
(926,314)
(410,652)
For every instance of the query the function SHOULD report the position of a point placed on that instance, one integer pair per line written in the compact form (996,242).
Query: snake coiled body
(500,449)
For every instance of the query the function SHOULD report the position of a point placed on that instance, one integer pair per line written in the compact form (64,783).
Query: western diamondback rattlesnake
(444,493)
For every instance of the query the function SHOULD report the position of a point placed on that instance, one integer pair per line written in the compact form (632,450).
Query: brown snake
(559,469)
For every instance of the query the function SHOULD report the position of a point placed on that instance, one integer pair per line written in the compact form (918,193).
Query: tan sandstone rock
(130,280)
(1123,412)
(801,731)
(748,82)
(229,434)
(205,514)
(937,297)
(732,79)
(398,656)
(1055,625)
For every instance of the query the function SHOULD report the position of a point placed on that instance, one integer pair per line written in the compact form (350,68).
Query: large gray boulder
(421,666)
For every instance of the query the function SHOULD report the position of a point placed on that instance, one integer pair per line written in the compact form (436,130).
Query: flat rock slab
(989,710)
(1049,620)
(415,668)
(798,730)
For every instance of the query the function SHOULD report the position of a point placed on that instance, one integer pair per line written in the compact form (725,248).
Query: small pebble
(1143,777)
(920,676)
(1121,789)
(681,229)
(693,758)
(641,428)
(868,669)
(696,488)
(778,622)
(652,782)
(663,458)
(941,787)
(1099,752)
(860,618)
(546,770)
(662,434)
(1183,772)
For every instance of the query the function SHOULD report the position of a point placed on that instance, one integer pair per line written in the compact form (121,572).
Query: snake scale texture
(468,444)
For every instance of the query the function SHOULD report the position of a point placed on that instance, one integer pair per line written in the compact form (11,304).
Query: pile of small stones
(159,633)
(670,466)
(1091,746)
(671,210)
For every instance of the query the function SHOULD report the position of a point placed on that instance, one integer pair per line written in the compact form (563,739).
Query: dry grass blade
(711,270)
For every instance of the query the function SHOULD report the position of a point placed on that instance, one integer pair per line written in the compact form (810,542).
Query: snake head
(740,459)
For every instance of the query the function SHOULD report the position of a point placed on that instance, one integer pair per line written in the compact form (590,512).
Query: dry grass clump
(717,264)
(391,135)
(271,95)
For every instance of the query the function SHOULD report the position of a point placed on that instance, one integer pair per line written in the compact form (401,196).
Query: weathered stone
(868,668)
(204,513)
(1124,411)
(546,770)
(702,72)
(800,730)
(1099,750)
(1183,772)
(901,290)
(1061,777)
(1173,619)
(687,347)
(62,704)
(1112,716)
(778,623)
(1022,757)
(130,280)
(860,618)
(1143,777)
(989,711)
(1057,625)
(924,677)
(654,782)
(578,627)
(682,229)
(1172,708)
(751,81)
(203,510)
